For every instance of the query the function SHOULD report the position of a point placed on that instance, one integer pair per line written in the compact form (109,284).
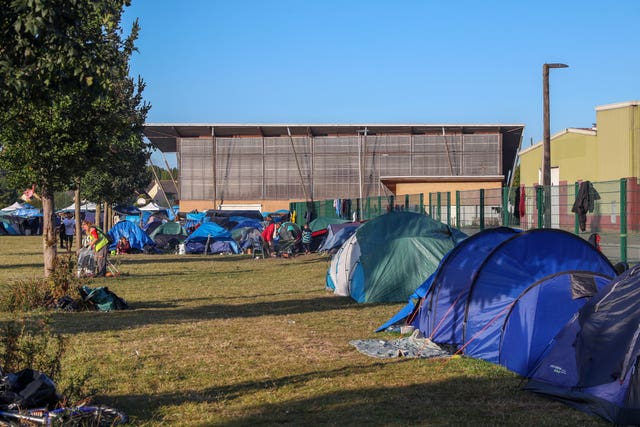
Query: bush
(31,343)
(36,293)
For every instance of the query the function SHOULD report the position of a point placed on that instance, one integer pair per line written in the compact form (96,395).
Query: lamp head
(556,65)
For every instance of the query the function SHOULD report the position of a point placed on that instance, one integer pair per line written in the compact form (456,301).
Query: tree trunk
(97,220)
(49,235)
(78,218)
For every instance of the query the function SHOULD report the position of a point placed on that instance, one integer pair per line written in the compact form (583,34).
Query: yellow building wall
(614,144)
(612,153)
(576,156)
(530,163)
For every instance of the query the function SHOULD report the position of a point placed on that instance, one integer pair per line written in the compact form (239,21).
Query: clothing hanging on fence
(346,208)
(585,202)
(337,205)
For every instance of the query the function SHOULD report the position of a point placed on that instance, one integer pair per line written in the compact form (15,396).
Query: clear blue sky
(433,62)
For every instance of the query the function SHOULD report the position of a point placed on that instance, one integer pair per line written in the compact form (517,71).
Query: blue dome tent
(497,284)
(592,364)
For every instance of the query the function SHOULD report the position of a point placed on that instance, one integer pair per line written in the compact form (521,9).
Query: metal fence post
(439,206)
(458,209)
(449,208)
(505,206)
(623,220)
(430,204)
(539,202)
(422,203)
(481,209)
(576,226)
(406,202)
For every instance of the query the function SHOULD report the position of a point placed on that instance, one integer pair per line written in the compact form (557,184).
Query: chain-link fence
(609,209)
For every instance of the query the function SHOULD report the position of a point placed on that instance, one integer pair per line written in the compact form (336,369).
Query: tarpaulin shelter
(336,235)
(390,256)
(15,206)
(593,362)
(84,207)
(137,238)
(202,240)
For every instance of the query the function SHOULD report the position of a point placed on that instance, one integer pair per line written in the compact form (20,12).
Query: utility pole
(546,143)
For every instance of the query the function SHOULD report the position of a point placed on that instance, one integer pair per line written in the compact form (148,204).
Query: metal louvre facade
(326,167)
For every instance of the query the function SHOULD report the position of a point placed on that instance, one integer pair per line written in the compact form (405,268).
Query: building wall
(611,153)
(265,205)
(614,144)
(435,187)
(256,169)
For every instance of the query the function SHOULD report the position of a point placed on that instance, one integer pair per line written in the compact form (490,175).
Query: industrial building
(267,166)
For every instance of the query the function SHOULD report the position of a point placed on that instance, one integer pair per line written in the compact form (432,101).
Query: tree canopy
(69,110)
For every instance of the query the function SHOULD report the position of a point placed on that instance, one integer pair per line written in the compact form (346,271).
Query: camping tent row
(206,236)
(387,258)
(502,295)
(18,218)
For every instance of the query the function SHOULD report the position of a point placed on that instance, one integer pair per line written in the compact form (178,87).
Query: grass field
(232,341)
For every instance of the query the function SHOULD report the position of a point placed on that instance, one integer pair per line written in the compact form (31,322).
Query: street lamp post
(546,144)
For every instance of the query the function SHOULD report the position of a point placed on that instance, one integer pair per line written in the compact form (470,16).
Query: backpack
(103,299)
(28,388)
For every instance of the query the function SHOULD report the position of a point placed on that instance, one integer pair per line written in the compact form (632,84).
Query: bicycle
(85,416)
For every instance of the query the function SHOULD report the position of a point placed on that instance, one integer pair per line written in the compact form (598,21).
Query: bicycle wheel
(88,416)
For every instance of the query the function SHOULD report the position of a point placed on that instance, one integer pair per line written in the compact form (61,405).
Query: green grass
(232,341)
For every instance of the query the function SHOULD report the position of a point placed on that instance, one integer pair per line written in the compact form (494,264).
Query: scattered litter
(413,346)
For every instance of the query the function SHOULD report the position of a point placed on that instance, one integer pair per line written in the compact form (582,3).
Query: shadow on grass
(159,313)
(491,400)
(33,265)
(180,259)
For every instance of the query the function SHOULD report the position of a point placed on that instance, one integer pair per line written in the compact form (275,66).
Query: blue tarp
(337,234)
(209,233)
(136,236)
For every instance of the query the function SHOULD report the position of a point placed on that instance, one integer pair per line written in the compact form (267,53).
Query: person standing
(267,236)
(69,225)
(62,236)
(306,239)
(99,242)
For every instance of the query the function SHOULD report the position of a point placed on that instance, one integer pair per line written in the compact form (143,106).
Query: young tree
(65,69)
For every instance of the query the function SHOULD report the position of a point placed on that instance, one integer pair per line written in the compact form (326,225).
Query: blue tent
(540,312)
(510,268)
(388,257)
(209,233)
(468,300)
(593,362)
(138,239)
